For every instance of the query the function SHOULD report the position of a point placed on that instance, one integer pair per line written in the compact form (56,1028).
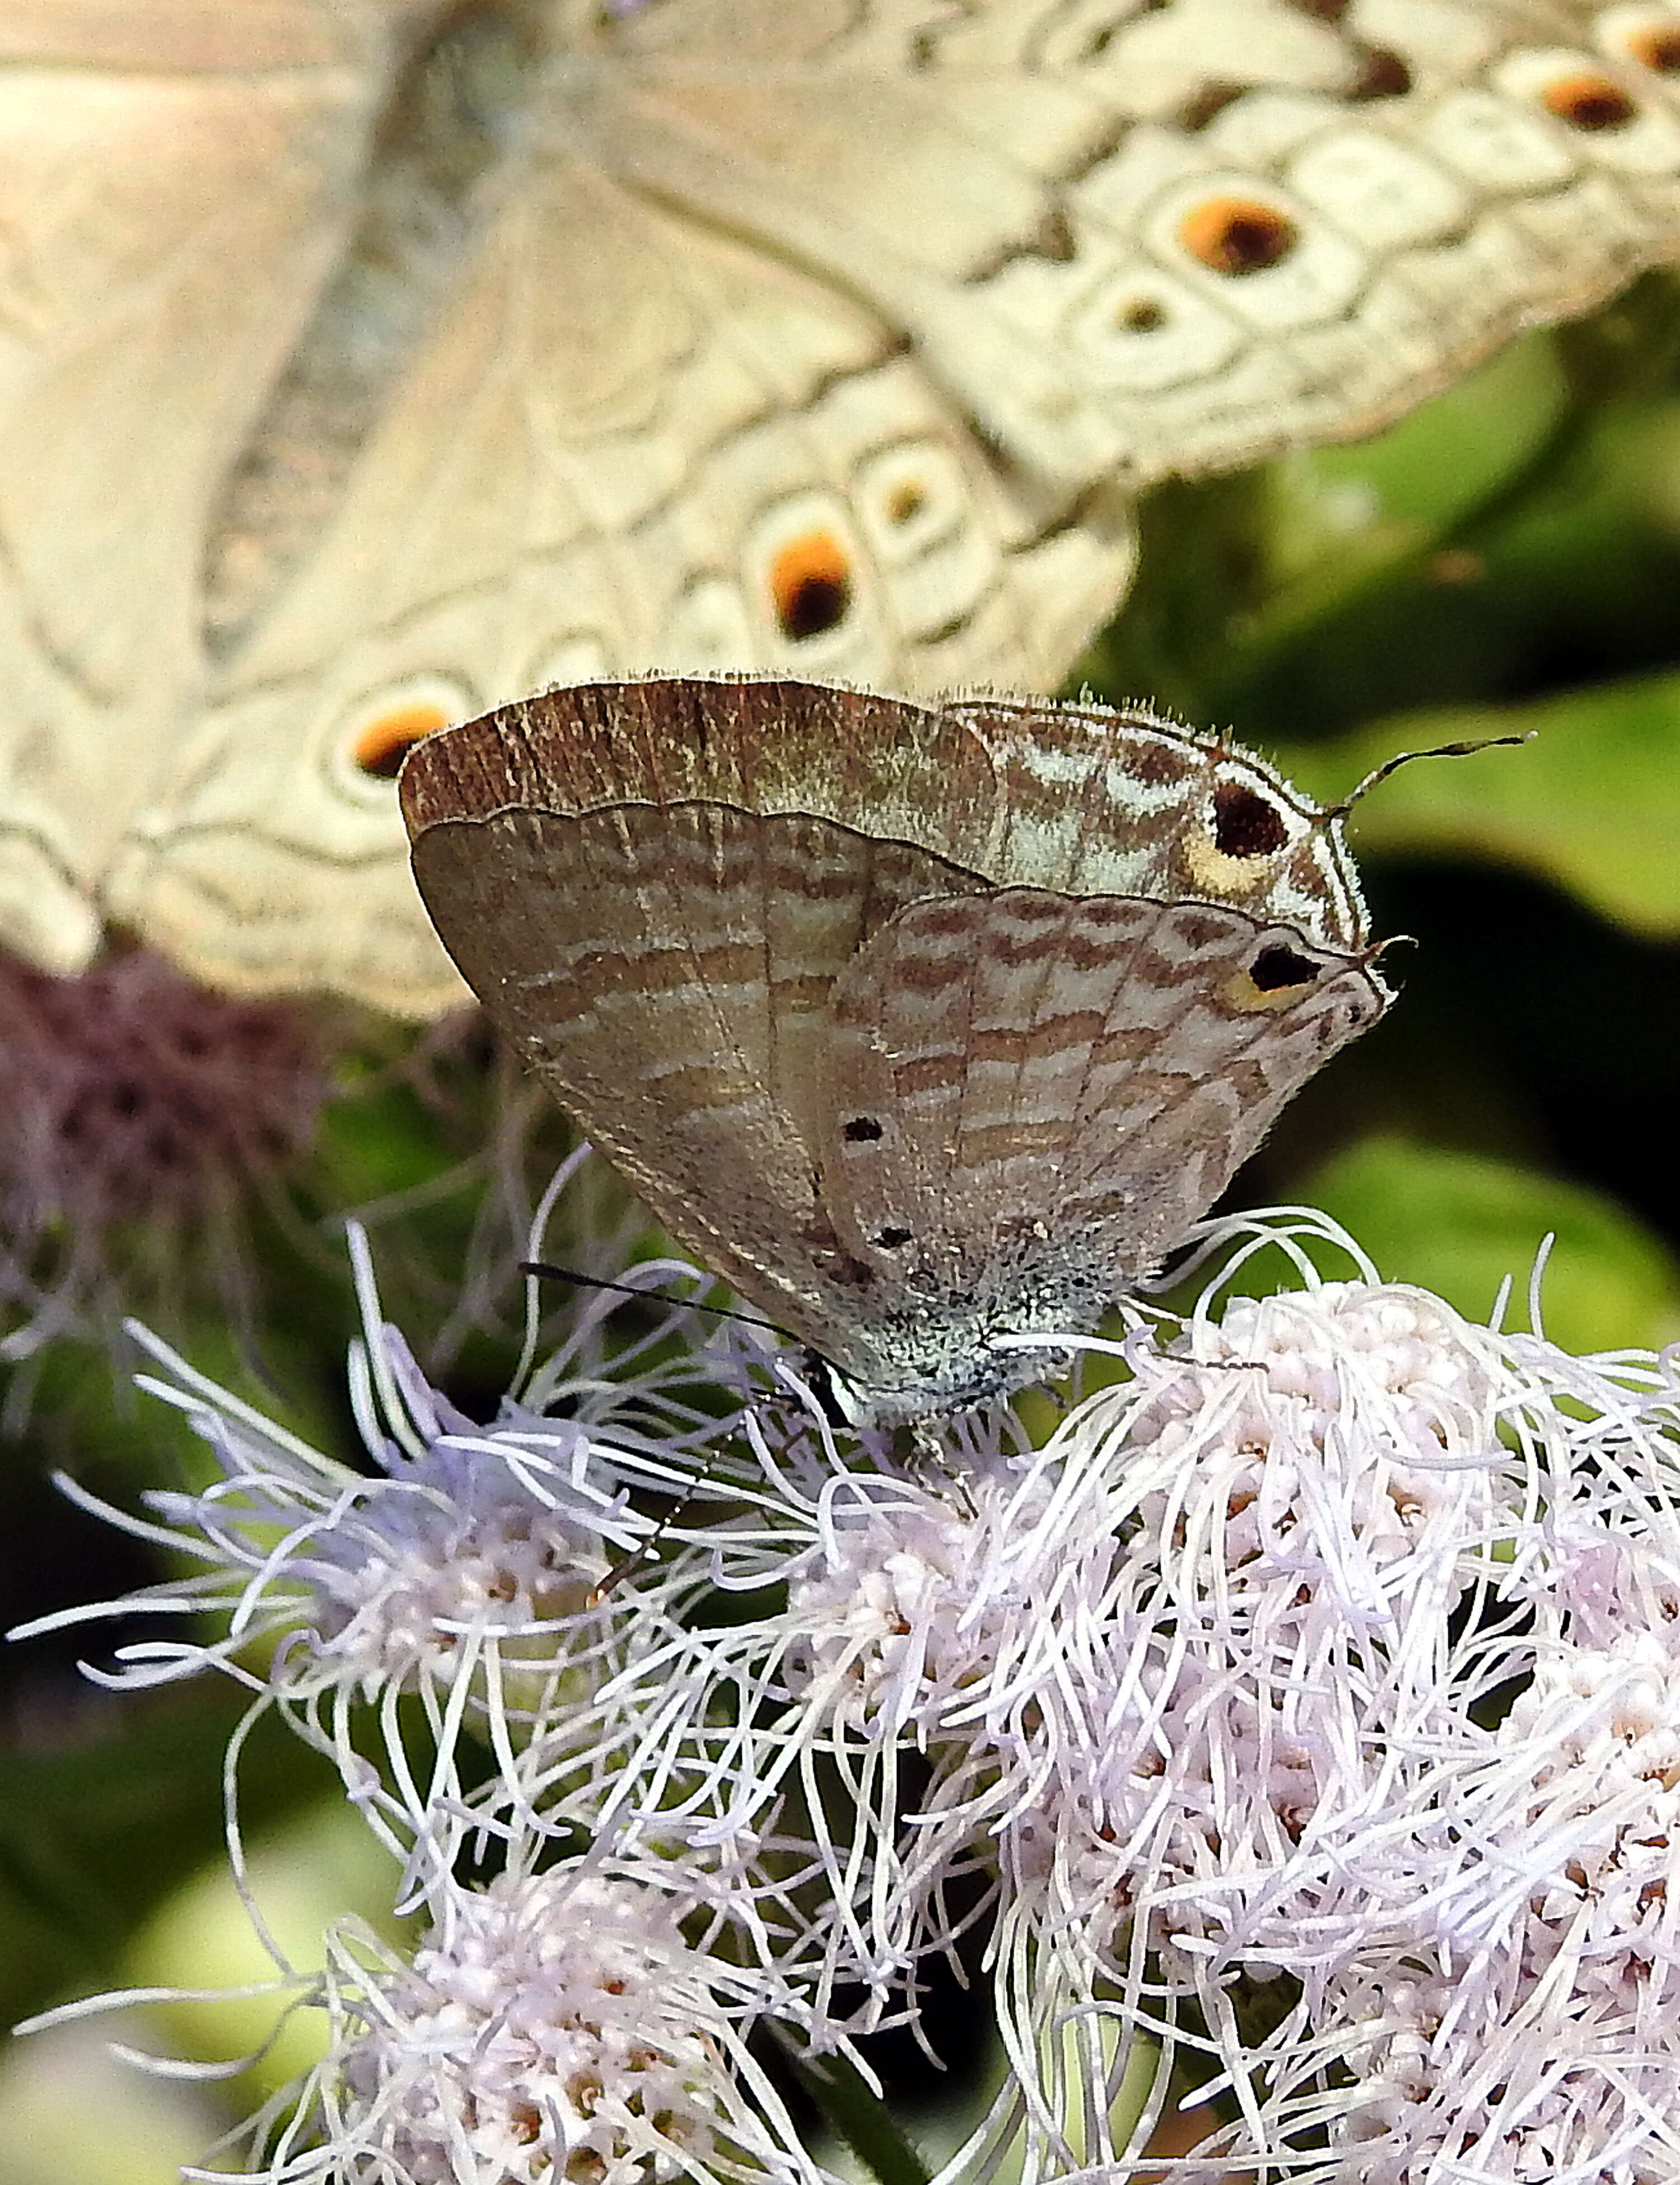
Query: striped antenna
(1404,758)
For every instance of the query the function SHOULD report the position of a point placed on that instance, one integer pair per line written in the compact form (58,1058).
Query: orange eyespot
(1237,235)
(1657,47)
(380,748)
(1589,102)
(811,585)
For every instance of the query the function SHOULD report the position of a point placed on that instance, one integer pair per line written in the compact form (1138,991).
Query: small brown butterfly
(929,1026)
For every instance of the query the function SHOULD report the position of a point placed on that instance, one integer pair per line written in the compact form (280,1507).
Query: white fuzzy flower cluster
(1294,1738)
(552,2025)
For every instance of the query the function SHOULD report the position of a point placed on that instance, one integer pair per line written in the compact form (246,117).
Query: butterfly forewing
(1120,801)
(667,970)
(1115,801)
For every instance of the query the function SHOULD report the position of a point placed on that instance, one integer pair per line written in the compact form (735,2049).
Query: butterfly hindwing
(1022,1078)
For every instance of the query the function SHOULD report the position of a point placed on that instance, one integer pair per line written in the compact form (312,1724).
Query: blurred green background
(1508,557)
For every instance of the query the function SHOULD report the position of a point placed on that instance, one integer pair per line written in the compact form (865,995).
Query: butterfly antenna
(546,1270)
(1404,758)
(646,1551)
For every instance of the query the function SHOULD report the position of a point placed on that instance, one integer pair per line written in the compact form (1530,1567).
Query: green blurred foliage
(1594,806)
(1467,1226)
(1507,558)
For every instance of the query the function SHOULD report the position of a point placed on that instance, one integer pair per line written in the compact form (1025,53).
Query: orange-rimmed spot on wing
(1237,235)
(1656,45)
(1275,980)
(811,585)
(380,748)
(1587,101)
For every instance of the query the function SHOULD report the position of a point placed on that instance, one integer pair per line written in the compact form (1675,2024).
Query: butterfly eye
(1245,824)
(1237,235)
(1589,102)
(811,586)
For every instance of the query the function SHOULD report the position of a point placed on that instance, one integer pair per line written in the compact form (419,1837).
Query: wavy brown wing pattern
(369,363)
(918,1077)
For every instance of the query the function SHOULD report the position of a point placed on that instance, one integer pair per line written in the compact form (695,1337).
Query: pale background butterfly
(369,362)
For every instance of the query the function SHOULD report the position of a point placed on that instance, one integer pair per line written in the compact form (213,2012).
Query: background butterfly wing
(663,449)
(673,380)
(1045,1092)
(1174,239)
(178,181)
